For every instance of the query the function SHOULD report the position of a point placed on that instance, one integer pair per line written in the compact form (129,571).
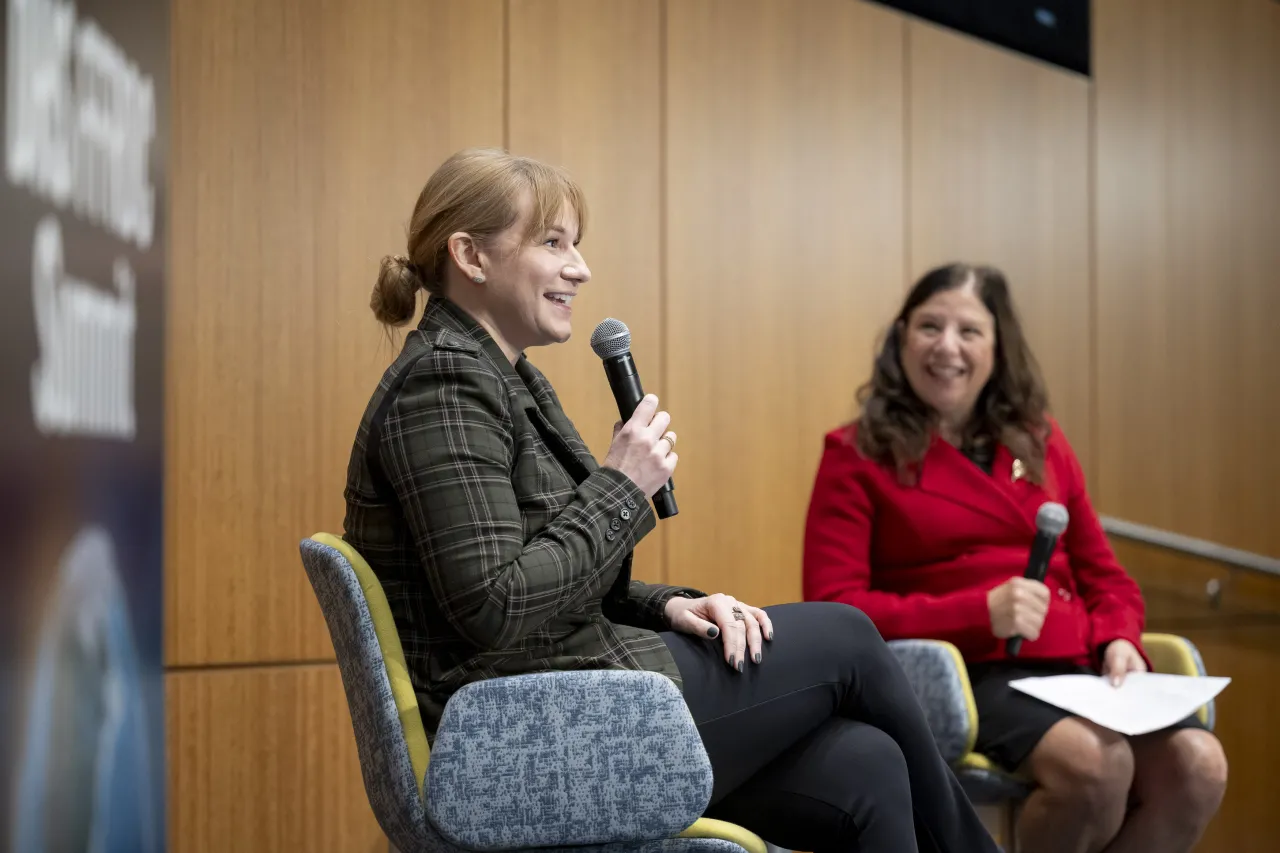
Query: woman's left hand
(741,625)
(1121,657)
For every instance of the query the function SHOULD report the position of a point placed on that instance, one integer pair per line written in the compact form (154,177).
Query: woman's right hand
(639,449)
(1018,607)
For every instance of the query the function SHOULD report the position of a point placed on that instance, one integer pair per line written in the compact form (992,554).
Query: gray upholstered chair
(941,681)
(597,760)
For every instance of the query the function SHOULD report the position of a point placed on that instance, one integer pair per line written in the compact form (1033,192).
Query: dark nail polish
(731,666)
(713,632)
(757,657)
(739,666)
(770,637)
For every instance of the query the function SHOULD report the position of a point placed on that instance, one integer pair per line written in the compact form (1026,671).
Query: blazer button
(631,504)
(626,514)
(610,535)
(615,524)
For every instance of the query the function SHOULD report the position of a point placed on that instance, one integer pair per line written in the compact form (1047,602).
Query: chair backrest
(390,737)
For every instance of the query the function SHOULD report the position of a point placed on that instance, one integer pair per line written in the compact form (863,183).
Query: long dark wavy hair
(896,427)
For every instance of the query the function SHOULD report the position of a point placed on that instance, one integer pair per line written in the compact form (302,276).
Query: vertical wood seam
(906,155)
(1095,414)
(664,556)
(506,75)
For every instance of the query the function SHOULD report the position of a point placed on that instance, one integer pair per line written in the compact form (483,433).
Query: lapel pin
(1019,470)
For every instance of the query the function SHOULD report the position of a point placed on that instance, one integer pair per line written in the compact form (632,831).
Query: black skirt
(1011,723)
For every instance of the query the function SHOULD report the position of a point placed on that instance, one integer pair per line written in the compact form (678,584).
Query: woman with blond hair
(505,548)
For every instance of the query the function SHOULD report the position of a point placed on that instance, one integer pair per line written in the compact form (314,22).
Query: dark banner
(82,281)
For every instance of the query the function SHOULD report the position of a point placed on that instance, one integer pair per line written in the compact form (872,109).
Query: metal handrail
(1190,545)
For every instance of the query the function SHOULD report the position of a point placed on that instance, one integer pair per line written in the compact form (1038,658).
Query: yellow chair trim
(707,827)
(415,734)
(1170,654)
(966,689)
(978,761)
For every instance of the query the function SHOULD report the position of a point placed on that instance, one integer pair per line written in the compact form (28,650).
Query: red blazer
(919,560)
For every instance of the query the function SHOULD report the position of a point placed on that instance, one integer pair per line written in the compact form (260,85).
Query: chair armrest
(566,758)
(938,675)
(1176,655)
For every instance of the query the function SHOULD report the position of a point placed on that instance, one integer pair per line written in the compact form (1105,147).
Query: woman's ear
(466,256)
(893,340)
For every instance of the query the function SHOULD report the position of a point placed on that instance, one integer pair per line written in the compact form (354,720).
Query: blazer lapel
(1022,491)
(527,389)
(559,434)
(530,393)
(555,427)
(949,474)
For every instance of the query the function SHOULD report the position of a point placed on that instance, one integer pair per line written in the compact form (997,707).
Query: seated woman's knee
(876,756)
(1196,773)
(1085,766)
(845,621)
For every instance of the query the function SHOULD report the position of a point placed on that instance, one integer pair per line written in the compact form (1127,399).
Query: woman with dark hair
(922,516)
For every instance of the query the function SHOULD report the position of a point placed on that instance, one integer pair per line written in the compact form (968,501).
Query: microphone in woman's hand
(1051,521)
(611,340)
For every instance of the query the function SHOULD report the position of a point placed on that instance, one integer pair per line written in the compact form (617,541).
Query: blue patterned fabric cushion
(566,758)
(933,668)
(384,759)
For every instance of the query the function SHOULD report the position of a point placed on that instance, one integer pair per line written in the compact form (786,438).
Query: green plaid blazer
(503,547)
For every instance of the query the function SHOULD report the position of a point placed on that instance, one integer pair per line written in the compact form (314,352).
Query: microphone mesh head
(611,337)
(1052,519)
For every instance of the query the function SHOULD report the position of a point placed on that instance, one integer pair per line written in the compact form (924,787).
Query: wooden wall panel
(302,135)
(1250,656)
(1134,381)
(1238,638)
(584,93)
(784,235)
(1248,478)
(1188,184)
(265,759)
(998,173)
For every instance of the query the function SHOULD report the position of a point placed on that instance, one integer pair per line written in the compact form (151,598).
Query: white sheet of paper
(1144,702)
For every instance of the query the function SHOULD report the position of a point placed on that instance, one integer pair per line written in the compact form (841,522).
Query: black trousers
(823,746)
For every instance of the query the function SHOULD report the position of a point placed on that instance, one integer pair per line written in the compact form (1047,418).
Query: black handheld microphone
(1051,520)
(612,342)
